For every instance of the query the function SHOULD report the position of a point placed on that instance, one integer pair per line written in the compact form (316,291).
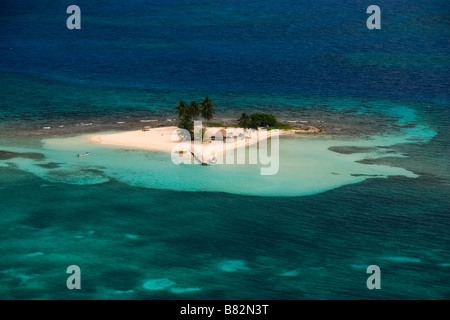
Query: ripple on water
(183,290)
(233,265)
(158,284)
(402,259)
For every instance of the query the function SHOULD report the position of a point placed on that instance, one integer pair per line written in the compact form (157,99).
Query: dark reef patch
(350,149)
(50,165)
(7,155)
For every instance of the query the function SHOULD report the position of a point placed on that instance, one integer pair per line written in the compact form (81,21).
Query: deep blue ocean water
(239,46)
(138,58)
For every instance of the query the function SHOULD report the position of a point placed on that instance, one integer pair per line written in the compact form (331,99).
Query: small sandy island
(169,139)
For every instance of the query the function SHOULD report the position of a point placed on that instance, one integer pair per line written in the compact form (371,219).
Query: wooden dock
(199,159)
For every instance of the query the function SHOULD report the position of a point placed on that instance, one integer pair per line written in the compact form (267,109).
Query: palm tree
(194,109)
(182,109)
(207,109)
(187,124)
(244,121)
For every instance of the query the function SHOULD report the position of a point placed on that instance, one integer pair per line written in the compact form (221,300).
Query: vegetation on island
(187,113)
(259,119)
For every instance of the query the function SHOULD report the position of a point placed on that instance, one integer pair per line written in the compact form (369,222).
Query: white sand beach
(168,139)
(155,139)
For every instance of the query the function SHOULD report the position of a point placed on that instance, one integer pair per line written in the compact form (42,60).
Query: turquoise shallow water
(133,223)
(137,243)
(140,227)
(304,165)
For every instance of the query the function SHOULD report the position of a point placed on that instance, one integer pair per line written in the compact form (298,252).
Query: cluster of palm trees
(189,112)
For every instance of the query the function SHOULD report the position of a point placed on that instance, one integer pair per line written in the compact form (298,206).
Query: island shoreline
(167,139)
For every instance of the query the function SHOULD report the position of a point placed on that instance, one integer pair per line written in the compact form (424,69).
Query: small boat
(83,154)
